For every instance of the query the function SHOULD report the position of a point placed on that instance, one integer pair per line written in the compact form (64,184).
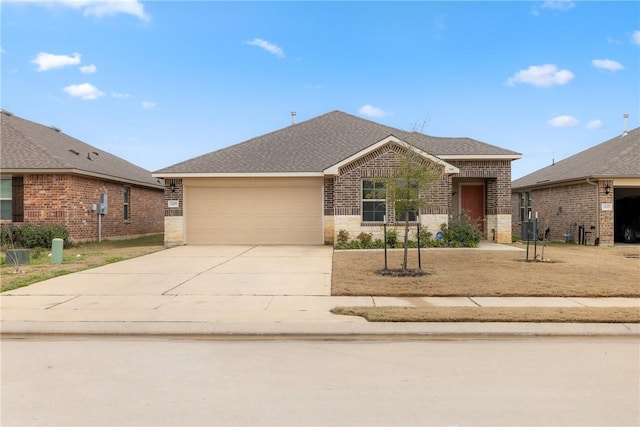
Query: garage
(265,211)
(626,212)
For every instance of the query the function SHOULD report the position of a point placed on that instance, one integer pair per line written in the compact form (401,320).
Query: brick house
(581,193)
(48,177)
(304,183)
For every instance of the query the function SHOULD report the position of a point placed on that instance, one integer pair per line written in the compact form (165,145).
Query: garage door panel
(285,213)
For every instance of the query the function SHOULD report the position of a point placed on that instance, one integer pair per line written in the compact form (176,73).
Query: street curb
(318,331)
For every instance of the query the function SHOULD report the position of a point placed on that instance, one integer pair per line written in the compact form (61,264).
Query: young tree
(407,188)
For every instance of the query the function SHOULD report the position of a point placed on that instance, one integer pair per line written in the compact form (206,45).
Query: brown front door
(472,202)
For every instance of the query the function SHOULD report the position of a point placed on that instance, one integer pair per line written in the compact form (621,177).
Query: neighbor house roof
(317,144)
(618,157)
(27,146)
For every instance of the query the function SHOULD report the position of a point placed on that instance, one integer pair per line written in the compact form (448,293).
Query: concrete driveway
(203,270)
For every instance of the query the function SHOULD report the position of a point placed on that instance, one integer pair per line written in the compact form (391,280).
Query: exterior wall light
(607,189)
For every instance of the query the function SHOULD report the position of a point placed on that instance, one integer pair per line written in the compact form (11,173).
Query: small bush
(378,244)
(392,238)
(366,240)
(32,236)
(461,231)
(355,244)
(343,238)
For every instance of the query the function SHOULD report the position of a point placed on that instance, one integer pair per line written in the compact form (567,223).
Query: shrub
(355,244)
(343,238)
(392,238)
(378,244)
(366,240)
(32,236)
(461,231)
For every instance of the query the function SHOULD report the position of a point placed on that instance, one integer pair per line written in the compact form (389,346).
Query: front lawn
(77,258)
(572,271)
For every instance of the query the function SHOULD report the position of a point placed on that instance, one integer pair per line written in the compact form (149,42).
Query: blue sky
(158,82)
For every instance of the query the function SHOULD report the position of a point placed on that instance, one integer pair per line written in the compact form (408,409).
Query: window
(411,192)
(6,207)
(126,195)
(400,215)
(374,204)
(525,206)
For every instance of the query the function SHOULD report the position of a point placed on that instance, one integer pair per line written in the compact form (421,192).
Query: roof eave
(480,156)
(237,174)
(15,171)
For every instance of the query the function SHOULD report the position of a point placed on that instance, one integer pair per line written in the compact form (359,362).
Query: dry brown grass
(573,271)
(494,314)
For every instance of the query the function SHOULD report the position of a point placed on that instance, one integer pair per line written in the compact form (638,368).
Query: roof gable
(335,169)
(29,146)
(313,146)
(619,157)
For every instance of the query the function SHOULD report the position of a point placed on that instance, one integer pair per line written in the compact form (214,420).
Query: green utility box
(56,251)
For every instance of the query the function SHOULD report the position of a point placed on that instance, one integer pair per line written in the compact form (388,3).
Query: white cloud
(47,61)
(607,64)
(635,38)
(595,124)
(559,5)
(88,69)
(269,47)
(541,76)
(120,95)
(371,111)
(100,8)
(563,121)
(84,91)
(148,105)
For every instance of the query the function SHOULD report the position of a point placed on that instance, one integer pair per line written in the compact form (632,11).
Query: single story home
(48,177)
(304,183)
(583,198)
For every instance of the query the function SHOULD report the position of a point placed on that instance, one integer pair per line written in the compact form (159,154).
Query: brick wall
(345,191)
(563,208)
(67,200)
(343,195)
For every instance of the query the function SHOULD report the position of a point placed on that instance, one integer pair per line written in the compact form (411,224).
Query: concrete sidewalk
(247,291)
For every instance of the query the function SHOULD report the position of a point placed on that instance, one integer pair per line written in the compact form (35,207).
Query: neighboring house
(582,192)
(48,177)
(306,182)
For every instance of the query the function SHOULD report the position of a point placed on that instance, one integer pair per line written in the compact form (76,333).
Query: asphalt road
(116,382)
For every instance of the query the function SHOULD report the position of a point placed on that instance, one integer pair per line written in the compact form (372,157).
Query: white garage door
(271,211)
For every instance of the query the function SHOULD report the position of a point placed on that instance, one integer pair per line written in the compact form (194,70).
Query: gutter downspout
(597,207)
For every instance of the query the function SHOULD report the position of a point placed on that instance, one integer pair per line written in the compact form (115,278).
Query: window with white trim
(374,203)
(6,206)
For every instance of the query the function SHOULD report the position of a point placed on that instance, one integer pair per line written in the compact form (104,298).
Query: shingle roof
(618,157)
(319,143)
(26,145)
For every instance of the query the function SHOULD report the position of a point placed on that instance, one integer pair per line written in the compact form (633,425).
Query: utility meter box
(103,207)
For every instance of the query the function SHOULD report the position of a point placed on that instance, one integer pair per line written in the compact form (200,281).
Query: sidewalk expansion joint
(168,291)
(474,301)
(62,302)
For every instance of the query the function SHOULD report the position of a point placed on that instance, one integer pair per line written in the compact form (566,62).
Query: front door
(472,202)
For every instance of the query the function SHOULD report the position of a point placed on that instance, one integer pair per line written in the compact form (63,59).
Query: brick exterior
(343,196)
(563,208)
(66,200)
